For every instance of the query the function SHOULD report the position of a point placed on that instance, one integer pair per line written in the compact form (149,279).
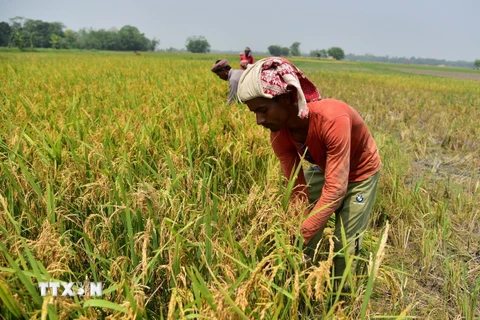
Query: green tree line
(293,50)
(336,53)
(411,60)
(29,34)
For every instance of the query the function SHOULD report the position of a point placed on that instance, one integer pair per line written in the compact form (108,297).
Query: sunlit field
(132,171)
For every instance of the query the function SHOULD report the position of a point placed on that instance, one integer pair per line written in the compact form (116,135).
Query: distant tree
(35,31)
(16,23)
(319,53)
(114,40)
(275,50)
(285,51)
(5,33)
(323,53)
(295,49)
(131,39)
(71,38)
(17,34)
(40,32)
(31,36)
(19,39)
(197,44)
(336,52)
(86,39)
(55,41)
(278,51)
(153,44)
(477,63)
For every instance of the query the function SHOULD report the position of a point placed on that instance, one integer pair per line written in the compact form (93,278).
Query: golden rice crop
(131,170)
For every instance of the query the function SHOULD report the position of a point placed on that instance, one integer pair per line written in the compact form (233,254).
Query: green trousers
(353,215)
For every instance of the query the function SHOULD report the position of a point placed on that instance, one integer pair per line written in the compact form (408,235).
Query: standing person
(246,58)
(329,134)
(223,70)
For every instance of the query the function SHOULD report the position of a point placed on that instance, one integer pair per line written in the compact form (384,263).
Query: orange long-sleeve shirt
(339,143)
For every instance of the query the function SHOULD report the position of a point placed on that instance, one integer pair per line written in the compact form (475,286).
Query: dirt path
(439,73)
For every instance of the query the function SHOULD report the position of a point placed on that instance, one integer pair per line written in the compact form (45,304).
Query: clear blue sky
(422,28)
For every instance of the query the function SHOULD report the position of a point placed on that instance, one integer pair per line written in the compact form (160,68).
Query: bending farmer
(328,133)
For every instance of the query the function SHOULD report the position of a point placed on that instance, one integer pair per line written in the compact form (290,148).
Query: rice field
(132,171)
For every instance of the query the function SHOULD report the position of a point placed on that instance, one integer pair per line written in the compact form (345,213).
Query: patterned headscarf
(219,65)
(270,77)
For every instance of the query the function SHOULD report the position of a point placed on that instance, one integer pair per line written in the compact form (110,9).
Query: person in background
(330,135)
(223,70)
(246,58)
(244,64)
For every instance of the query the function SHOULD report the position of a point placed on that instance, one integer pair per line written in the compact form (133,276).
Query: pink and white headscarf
(270,77)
